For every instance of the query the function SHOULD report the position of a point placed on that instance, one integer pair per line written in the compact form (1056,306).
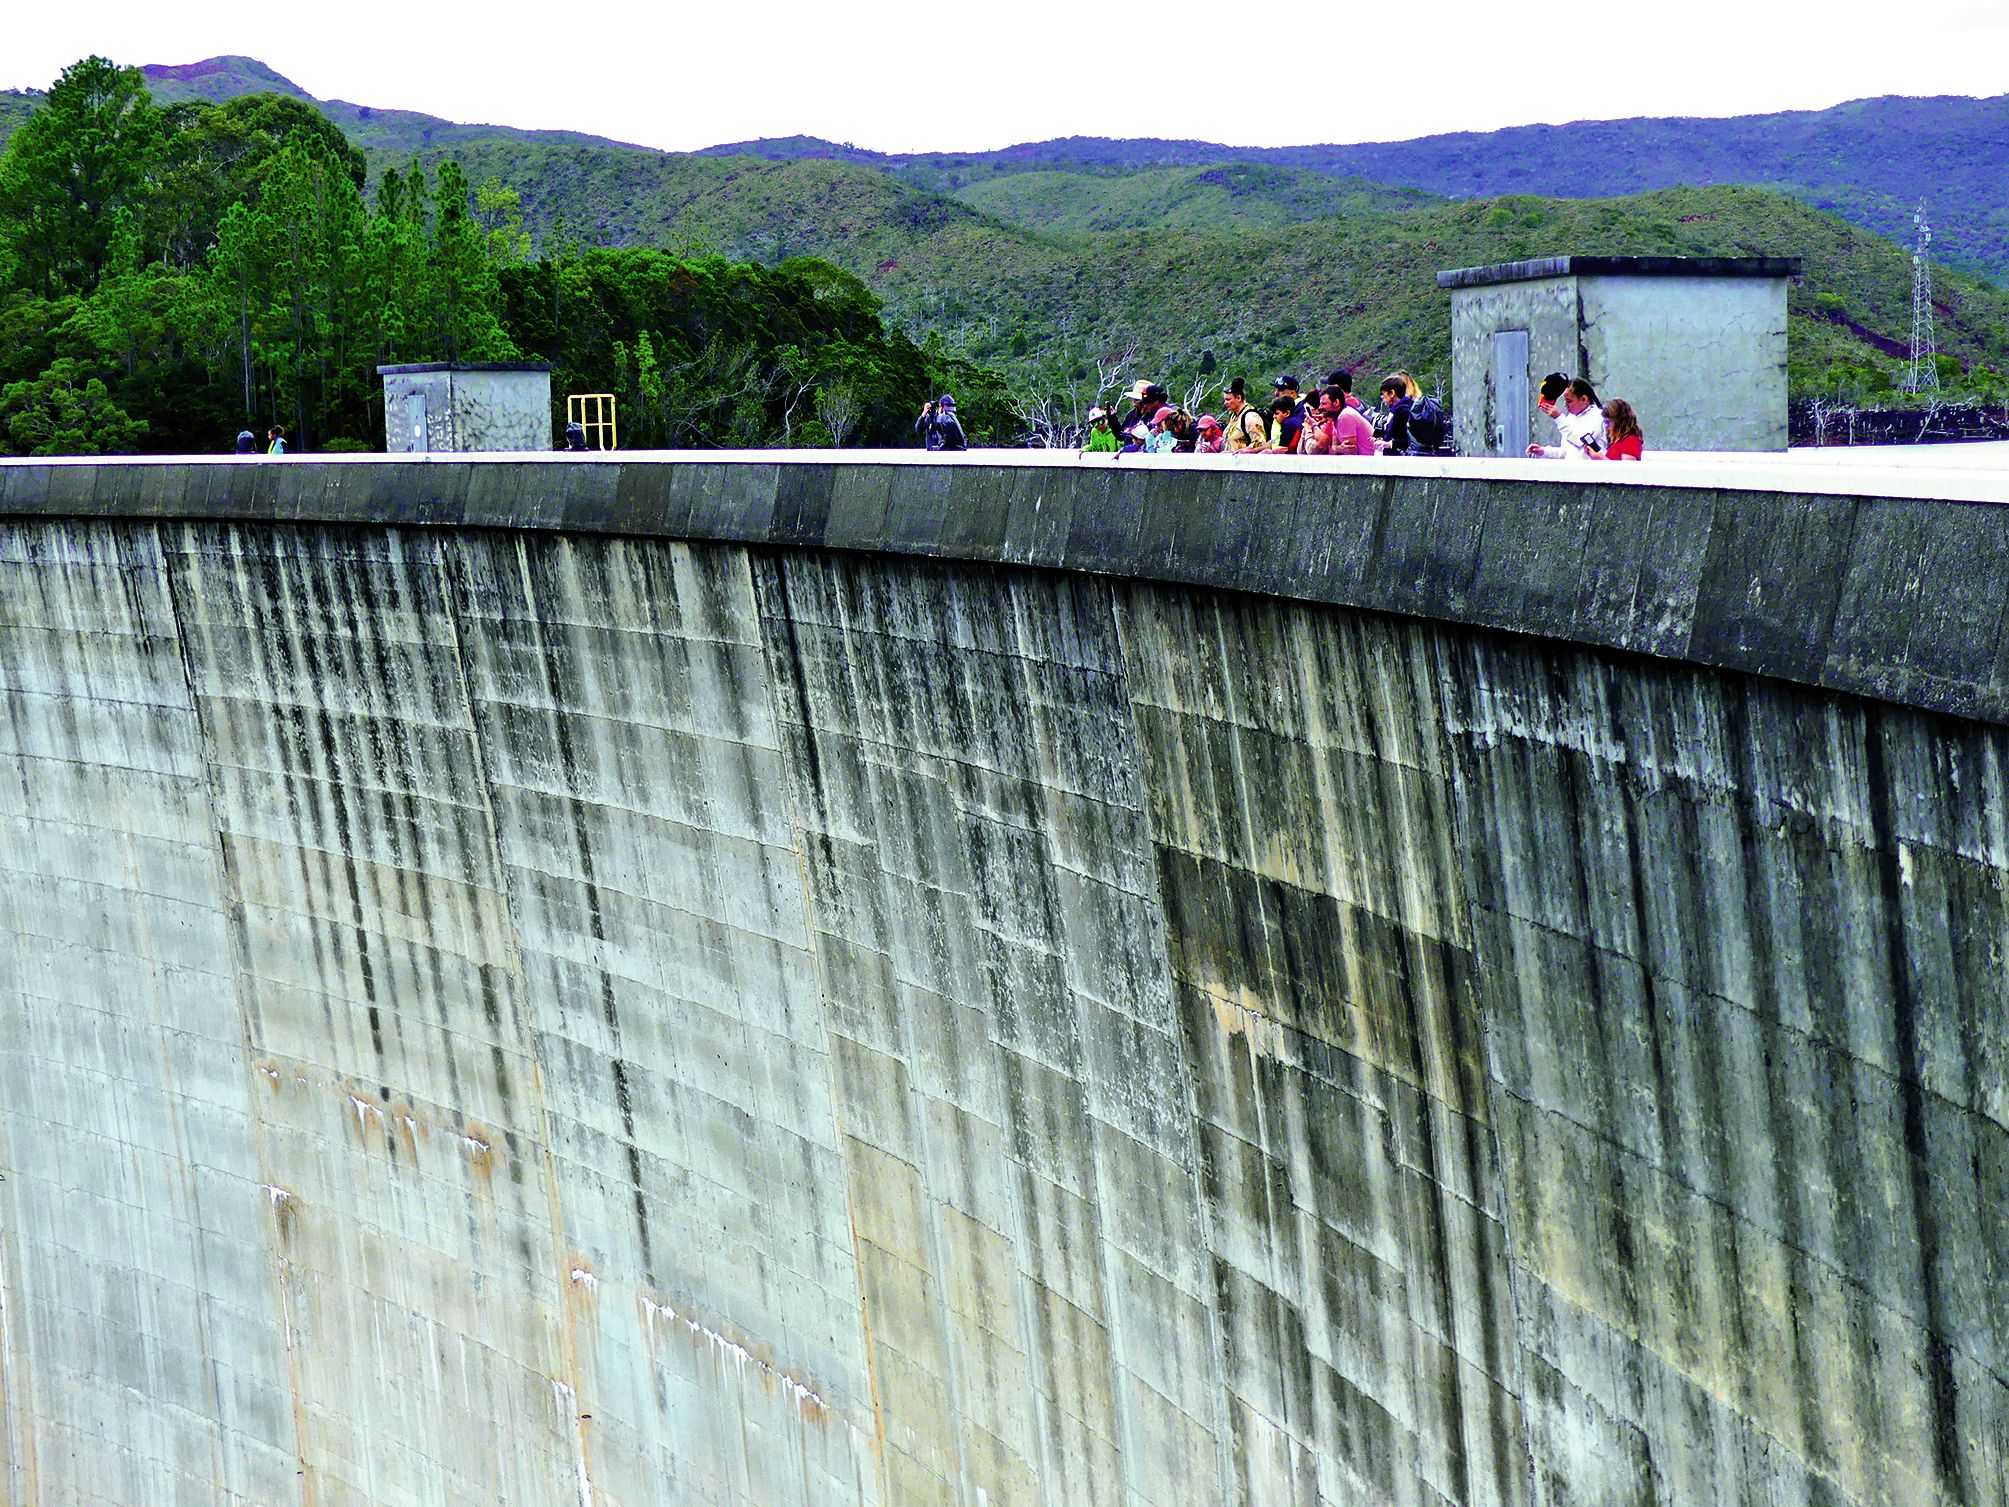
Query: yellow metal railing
(593,412)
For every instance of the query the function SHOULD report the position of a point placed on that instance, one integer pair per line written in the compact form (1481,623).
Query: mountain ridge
(1046,259)
(1868,160)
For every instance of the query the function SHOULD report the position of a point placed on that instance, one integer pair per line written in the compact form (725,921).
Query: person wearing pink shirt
(1339,427)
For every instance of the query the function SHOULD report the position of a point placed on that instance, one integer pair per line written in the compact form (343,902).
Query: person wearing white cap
(1102,439)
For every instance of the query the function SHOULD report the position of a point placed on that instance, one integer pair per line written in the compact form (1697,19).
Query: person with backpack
(247,442)
(938,426)
(275,440)
(1416,423)
(1246,432)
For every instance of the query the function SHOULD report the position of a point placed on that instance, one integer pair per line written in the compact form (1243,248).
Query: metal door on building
(1510,392)
(415,416)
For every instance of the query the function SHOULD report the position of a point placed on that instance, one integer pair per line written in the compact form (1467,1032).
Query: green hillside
(737,206)
(1352,288)
(1361,291)
(1233,196)
(16,105)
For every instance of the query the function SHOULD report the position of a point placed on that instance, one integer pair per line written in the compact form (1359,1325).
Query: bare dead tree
(1111,365)
(1039,425)
(838,407)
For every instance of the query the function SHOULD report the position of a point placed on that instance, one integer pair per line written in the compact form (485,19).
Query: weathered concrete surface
(1696,345)
(539,1016)
(481,405)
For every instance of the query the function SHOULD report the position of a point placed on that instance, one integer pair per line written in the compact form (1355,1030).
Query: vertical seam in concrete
(932,1213)
(570,1385)
(1274,1156)
(170,1094)
(240,974)
(1603,1007)
(1462,773)
(19,1436)
(1224,1452)
(1942,1384)
(777,676)
(1015,1192)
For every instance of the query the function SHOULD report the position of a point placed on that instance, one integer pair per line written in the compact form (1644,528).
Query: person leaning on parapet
(1146,398)
(1339,428)
(938,426)
(575,436)
(1172,432)
(1287,437)
(1627,443)
(1246,434)
(275,440)
(1287,426)
(1102,439)
(1399,397)
(1579,421)
(247,443)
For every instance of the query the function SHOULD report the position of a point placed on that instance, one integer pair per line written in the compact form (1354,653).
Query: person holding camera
(938,426)
(1622,425)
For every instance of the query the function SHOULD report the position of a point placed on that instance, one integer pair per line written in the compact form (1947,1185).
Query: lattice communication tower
(1922,375)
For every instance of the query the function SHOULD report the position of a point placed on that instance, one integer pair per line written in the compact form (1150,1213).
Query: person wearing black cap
(938,426)
(1288,428)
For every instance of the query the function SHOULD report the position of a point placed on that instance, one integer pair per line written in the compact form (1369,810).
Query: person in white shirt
(1579,422)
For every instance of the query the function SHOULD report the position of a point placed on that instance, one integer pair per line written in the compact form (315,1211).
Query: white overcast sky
(969,77)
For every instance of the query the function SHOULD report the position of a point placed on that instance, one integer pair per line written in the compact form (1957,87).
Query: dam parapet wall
(764,981)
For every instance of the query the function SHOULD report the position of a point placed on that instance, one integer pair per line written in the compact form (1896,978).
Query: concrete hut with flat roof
(1697,345)
(462,406)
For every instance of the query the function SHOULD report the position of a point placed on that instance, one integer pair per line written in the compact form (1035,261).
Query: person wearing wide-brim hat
(1146,398)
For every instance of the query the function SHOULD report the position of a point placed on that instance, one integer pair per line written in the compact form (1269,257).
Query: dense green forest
(171,275)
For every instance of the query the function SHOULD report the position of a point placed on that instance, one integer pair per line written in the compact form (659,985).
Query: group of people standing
(1586,429)
(1330,421)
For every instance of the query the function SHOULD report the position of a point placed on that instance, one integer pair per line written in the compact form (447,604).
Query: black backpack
(1426,425)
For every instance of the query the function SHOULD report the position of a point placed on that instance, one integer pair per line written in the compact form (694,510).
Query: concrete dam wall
(983,984)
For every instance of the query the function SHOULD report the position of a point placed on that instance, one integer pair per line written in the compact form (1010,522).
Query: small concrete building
(469,405)
(1696,344)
